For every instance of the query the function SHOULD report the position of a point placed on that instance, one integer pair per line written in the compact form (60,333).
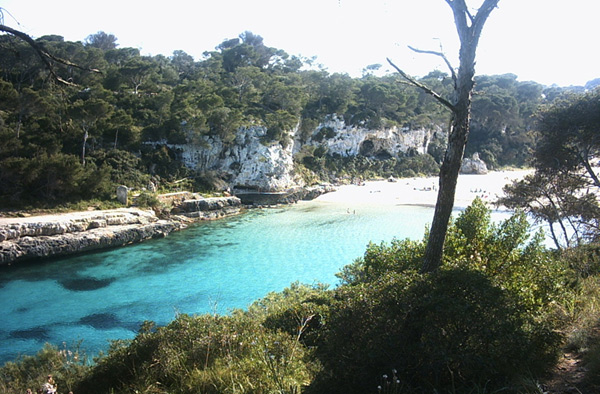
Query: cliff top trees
(102,40)
(178,99)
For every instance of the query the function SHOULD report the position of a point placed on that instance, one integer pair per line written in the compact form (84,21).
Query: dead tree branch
(45,56)
(425,88)
(440,54)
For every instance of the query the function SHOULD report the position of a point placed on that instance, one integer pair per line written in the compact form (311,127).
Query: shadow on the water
(85,284)
(223,244)
(309,208)
(102,321)
(326,223)
(39,334)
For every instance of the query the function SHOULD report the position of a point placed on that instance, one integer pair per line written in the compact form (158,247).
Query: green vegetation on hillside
(67,143)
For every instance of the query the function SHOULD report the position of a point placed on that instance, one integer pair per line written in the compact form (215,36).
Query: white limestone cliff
(351,140)
(250,162)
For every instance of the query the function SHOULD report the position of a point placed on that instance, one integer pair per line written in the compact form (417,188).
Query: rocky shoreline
(38,237)
(46,236)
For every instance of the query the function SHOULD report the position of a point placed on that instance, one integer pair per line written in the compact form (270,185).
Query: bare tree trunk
(469,30)
(445,199)
(85,137)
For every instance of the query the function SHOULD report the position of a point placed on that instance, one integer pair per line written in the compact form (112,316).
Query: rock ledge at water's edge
(64,234)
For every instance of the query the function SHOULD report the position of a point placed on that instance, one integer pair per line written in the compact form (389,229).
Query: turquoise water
(210,267)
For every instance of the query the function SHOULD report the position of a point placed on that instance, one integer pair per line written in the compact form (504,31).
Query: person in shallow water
(49,387)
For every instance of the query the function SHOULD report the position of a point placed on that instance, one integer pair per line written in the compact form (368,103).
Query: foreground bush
(451,329)
(207,354)
(470,324)
(67,365)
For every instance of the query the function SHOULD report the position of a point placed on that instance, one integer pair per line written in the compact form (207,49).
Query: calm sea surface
(210,267)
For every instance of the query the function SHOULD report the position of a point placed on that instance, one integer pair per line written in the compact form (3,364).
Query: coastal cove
(210,267)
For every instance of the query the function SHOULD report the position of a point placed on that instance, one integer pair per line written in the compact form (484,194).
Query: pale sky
(547,41)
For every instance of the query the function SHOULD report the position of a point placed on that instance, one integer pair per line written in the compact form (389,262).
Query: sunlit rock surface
(473,165)
(64,234)
(253,163)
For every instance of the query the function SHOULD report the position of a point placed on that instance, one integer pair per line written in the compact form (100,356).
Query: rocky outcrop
(49,225)
(351,140)
(248,162)
(209,208)
(473,165)
(59,235)
(290,196)
(252,162)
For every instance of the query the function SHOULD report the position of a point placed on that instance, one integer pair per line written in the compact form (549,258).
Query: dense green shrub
(471,323)
(451,329)
(125,167)
(584,259)
(146,199)
(298,311)
(206,354)
(51,179)
(508,255)
(503,252)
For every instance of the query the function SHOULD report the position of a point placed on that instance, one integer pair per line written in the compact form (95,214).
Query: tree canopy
(563,191)
(177,99)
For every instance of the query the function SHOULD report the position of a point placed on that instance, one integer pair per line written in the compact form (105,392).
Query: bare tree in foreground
(469,29)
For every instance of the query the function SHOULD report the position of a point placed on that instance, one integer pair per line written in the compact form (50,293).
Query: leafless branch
(470,16)
(440,54)
(426,89)
(45,56)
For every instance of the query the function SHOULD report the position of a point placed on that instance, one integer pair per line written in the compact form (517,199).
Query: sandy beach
(423,191)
